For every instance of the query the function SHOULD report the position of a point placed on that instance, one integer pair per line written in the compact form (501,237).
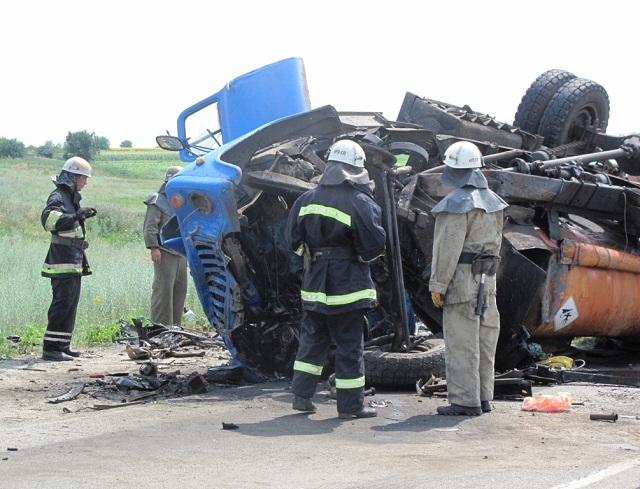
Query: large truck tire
(394,369)
(577,104)
(537,97)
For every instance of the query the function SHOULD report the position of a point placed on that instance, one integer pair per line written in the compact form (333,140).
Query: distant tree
(11,148)
(82,144)
(49,150)
(126,144)
(102,143)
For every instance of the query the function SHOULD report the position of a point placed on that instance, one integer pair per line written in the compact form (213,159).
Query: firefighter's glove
(85,213)
(437,299)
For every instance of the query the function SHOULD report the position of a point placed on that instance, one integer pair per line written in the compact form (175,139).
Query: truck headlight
(201,203)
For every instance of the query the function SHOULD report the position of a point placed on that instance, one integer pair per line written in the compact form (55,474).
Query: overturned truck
(570,262)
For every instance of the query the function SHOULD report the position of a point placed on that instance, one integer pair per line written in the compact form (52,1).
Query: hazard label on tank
(567,314)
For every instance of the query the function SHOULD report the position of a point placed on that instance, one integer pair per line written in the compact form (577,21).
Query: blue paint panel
(254,99)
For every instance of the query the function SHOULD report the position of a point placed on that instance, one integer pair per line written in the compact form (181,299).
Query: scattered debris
(548,403)
(100,407)
(224,373)
(137,353)
(545,374)
(69,395)
(378,404)
(610,417)
(504,387)
(197,384)
(149,369)
(148,346)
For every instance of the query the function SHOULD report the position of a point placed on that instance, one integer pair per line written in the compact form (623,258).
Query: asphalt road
(181,443)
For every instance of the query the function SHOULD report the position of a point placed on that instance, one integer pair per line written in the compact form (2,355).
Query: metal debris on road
(70,394)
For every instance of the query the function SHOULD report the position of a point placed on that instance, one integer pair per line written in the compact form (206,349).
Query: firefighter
(66,262)
(337,228)
(169,289)
(466,249)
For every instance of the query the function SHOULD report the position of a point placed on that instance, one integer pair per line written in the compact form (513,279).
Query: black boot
(458,410)
(56,356)
(365,412)
(485,406)
(72,353)
(303,404)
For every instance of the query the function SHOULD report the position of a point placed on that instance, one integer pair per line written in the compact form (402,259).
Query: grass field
(120,287)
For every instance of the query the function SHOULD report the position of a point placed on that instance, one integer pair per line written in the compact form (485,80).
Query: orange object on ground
(548,403)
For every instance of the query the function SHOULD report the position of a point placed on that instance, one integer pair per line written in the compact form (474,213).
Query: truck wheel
(579,103)
(537,97)
(404,369)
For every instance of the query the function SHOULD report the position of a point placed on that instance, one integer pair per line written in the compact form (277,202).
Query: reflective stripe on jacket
(343,217)
(57,217)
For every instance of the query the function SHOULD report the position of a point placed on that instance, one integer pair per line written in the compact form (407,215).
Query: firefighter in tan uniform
(169,290)
(466,249)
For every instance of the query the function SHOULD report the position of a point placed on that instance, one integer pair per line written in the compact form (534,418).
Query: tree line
(82,143)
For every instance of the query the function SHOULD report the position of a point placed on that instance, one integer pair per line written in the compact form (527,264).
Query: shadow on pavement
(291,424)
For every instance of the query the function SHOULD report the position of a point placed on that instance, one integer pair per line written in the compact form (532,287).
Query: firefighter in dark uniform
(66,262)
(169,289)
(337,227)
(466,249)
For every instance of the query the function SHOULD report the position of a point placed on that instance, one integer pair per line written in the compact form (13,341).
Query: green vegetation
(120,287)
(82,143)
(11,148)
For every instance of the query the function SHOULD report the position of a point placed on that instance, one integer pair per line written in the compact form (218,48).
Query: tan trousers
(470,349)
(169,290)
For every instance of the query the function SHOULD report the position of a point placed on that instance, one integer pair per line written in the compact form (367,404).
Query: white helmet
(347,152)
(463,155)
(77,165)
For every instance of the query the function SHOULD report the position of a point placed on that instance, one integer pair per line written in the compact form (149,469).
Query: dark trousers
(346,331)
(62,313)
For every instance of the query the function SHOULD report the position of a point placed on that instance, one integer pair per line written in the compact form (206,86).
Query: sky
(124,70)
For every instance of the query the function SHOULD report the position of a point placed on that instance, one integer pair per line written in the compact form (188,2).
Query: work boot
(458,410)
(56,356)
(485,406)
(365,412)
(72,353)
(303,404)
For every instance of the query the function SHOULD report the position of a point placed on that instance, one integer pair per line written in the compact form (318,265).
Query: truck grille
(218,284)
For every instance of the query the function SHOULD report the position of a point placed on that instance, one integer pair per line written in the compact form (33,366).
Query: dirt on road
(247,435)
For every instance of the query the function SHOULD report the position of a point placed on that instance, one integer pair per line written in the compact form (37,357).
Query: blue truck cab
(208,194)
(243,105)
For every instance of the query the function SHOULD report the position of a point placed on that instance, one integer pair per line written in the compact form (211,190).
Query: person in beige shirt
(169,289)
(466,249)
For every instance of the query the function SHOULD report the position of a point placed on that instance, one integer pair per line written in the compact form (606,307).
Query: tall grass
(120,287)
